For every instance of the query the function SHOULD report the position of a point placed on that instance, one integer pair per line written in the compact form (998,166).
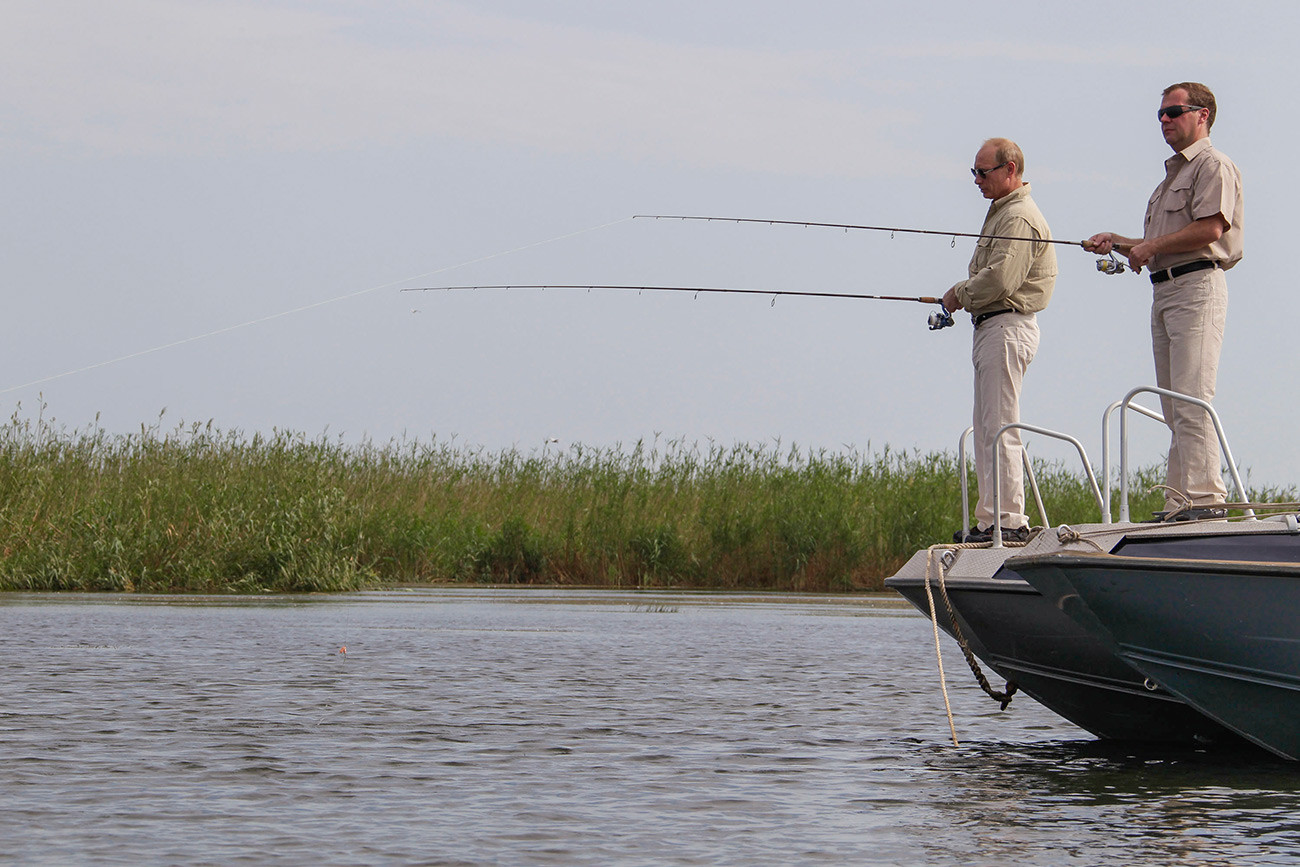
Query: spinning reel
(1111,265)
(940,318)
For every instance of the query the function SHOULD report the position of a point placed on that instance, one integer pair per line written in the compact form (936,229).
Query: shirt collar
(1019,192)
(1193,150)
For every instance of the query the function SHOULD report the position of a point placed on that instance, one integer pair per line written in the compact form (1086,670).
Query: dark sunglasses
(1176,111)
(984,173)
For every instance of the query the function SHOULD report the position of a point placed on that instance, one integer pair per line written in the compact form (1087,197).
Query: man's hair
(1197,94)
(1007,151)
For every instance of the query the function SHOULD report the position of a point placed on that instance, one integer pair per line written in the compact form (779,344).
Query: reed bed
(193,509)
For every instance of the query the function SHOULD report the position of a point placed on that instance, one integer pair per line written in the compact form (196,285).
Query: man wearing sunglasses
(1192,235)
(1009,282)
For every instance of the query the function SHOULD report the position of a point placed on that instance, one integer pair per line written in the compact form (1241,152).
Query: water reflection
(1109,802)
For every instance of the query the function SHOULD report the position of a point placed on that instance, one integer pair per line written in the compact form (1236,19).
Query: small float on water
(1180,632)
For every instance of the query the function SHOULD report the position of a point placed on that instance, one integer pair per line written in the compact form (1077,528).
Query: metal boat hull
(1063,660)
(1222,636)
(1030,642)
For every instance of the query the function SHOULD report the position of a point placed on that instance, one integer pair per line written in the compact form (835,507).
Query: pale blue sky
(180,169)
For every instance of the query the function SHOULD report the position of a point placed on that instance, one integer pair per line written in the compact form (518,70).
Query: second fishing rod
(1105,264)
(940,318)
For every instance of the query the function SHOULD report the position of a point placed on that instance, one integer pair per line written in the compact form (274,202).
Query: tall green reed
(196,509)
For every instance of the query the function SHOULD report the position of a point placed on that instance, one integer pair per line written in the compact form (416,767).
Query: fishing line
(204,336)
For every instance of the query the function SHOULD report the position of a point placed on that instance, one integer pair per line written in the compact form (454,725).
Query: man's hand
(1140,255)
(950,302)
(1101,243)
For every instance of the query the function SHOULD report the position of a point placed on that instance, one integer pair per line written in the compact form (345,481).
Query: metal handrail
(1033,485)
(997,472)
(965,482)
(1103,500)
(1123,443)
(1105,444)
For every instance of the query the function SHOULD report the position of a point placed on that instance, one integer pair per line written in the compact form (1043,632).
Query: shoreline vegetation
(194,509)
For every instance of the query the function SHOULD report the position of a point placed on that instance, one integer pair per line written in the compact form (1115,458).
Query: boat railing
(1127,403)
(997,474)
(1100,493)
(965,479)
(1105,443)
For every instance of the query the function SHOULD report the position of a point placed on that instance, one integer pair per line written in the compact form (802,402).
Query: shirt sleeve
(1214,192)
(1002,272)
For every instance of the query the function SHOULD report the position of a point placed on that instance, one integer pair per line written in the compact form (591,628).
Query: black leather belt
(990,315)
(1180,270)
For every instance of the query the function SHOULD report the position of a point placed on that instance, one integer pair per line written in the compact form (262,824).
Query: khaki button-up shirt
(1199,182)
(1016,275)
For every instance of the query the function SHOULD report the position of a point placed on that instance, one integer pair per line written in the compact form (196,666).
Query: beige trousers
(1187,318)
(1001,350)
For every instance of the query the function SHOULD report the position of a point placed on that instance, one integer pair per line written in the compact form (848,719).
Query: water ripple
(486,728)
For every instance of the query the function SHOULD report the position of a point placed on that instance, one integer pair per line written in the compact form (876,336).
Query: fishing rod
(941,318)
(1105,265)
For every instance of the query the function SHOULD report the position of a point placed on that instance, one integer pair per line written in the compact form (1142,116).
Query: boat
(1038,649)
(1029,629)
(1210,618)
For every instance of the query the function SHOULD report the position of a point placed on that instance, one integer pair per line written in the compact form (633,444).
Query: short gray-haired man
(1009,282)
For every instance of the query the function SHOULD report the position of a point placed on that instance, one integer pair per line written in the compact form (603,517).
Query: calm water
(524,727)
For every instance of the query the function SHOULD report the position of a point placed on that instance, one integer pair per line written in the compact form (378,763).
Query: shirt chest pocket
(1166,203)
(1178,197)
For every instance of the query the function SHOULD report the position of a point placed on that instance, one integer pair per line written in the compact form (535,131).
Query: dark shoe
(1019,535)
(978,536)
(1202,513)
(1196,513)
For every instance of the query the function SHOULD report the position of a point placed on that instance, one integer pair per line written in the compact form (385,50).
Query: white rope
(938,653)
(173,344)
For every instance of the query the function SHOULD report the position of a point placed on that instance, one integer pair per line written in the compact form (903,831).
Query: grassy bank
(195,509)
